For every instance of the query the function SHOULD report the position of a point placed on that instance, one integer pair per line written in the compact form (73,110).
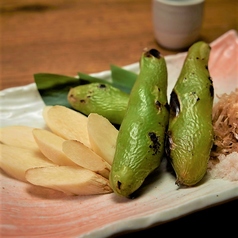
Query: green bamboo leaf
(122,78)
(54,88)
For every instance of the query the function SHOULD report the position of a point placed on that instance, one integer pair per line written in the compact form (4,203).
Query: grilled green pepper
(141,137)
(100,98)
(190,132)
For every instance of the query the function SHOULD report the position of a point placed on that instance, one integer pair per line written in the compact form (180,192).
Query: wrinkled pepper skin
(190,131)
(141,137)
(103,99)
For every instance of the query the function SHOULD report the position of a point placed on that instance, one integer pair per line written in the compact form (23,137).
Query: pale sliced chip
(20,136)
(72,180)
(85,157)
(102,135)
(50,145)
(15,160)
(67,123)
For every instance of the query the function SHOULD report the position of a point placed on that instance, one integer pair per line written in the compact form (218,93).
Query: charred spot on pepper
(210,79)
(119,185)
(158,105)
(167,106)
(167,149)
(153,52)
(101,85)
(90,91)
(72,98)
(155,145)
(211,89)
(168,141)
(195,94)
(174,104)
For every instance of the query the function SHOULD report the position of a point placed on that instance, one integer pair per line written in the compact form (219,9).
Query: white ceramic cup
(177,23)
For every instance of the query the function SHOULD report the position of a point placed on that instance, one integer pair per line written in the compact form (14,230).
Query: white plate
(27,210)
